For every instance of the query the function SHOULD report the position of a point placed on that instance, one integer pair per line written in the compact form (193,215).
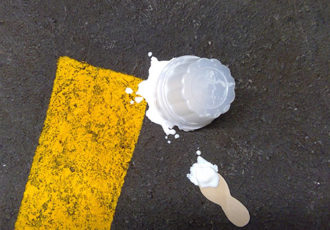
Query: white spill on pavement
(202,173)
(148,90)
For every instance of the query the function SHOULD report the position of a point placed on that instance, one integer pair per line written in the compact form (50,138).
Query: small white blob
(176,136)
(169,142)
(172,132)
(166,137)
(138,99)
(132,102)
(149,54)
(203,173)
(128,90)
(198,152)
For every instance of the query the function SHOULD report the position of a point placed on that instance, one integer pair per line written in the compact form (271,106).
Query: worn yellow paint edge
(84,150)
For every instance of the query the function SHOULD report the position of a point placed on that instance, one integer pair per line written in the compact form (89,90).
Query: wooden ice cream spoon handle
(235,211)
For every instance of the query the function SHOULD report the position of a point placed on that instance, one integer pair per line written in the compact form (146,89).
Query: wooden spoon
(235,211)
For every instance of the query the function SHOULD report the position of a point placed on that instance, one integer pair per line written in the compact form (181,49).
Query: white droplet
(128,90)
(176,136)
(138,99)
(169,142)
(172,131)
(166,137)
(149,54)
(198,152)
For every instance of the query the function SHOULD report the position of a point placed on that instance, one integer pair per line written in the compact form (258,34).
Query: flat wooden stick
(235,211)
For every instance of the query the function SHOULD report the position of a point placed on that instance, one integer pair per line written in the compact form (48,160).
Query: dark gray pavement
(272,146)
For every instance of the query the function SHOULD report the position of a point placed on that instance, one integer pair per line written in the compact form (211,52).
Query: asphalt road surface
(272,146)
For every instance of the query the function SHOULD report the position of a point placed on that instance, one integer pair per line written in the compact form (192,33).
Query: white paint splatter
(176,136)
(198,152)
(169,142)
(149,54)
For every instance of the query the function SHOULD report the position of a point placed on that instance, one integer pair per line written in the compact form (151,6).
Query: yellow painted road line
(84,150)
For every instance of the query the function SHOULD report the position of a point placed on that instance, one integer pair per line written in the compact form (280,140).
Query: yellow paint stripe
(84,150)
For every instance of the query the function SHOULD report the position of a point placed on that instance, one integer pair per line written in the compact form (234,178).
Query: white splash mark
(128,90)
(198,152)
(149,54)
(176,136)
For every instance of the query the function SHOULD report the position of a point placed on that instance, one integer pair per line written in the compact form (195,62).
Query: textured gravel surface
(272,146)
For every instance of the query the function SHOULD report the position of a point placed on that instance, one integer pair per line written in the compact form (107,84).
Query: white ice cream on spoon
(203,173)
(214,187)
